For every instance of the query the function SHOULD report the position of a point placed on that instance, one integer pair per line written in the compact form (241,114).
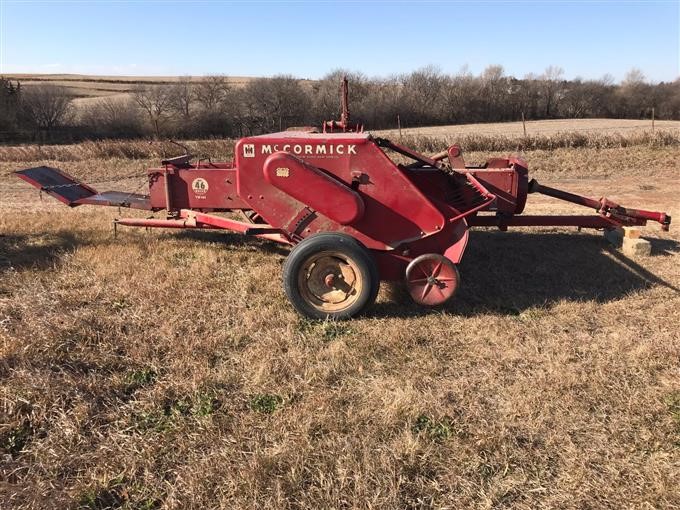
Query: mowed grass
(166,369)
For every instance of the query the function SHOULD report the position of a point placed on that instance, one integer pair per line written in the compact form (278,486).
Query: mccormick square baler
(353,212)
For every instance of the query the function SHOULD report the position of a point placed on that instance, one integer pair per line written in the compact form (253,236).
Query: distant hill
(85,88)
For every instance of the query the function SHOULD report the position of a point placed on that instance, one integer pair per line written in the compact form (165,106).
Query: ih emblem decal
(248,150)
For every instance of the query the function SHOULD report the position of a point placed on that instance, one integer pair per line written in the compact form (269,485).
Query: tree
(182,94)
(278,102)
(211,92)
(156,102)
(216,106)
(636,93)
(10,99)
(46,106)
(494,89)
(326,94)
(460,96)
(112,118)
(551,86)
(423,95)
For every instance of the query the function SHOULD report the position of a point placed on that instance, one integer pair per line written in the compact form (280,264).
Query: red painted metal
(58,184)
(294,184)
(605,207)
(187,218)
(396,211)
(503,222)
(431,279)
(331,197)
(344,123)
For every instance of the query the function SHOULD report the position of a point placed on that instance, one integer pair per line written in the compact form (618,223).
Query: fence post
(652,119)
(399,125)
(524,126)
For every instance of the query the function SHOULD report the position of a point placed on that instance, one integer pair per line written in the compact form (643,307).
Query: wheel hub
(330,281)
(431,279)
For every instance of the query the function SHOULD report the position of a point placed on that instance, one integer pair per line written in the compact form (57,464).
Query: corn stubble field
(166,369)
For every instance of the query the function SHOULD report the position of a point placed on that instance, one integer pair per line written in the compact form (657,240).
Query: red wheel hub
(431,279)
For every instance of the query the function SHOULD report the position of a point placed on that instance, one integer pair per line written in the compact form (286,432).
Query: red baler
(353,215)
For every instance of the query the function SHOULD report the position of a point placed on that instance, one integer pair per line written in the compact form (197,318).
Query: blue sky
(308,39)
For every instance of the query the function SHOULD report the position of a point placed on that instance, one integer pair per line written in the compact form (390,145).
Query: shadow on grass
(509,272)
(232,239)
(38,250)
(501,272)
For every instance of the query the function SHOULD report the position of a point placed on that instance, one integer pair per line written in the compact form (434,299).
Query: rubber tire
(331,241)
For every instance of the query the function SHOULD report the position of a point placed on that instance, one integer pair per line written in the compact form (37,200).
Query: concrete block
(614,236)
(631,232)
(636,247)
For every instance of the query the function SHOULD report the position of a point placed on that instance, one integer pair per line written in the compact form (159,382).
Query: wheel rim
(330,281)
(431,279)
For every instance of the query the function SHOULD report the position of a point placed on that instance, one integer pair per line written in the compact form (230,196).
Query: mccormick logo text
(321,150)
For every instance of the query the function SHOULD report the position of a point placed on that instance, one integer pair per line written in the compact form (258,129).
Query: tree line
(211,107)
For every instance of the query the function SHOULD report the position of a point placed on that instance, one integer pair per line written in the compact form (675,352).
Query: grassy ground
(541,127)
(166,369)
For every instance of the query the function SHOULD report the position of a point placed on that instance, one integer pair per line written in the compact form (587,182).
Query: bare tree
(112,117)
(493,87)
(212,91)
(183,97)
(10,99)
(279,102)
(551,80)
(46,106)
(216,106)
(637,95)
(367,98)
(156,101)
(459,95)
(423,93)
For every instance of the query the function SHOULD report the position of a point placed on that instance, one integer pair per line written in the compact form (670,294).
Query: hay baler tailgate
(73,193)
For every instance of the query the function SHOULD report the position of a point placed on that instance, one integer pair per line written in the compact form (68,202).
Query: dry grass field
(166,369)
(87,89)
(541,127)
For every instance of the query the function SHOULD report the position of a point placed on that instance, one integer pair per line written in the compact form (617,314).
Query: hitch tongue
(605,207)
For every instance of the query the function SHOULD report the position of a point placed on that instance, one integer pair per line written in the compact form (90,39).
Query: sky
(308,39)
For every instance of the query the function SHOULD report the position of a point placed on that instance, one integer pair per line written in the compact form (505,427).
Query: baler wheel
(330,275)
(431,279)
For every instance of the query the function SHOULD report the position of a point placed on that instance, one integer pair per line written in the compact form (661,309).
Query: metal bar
(344,106)
(535,187)
(156,223)
(219,221)
(168,192)
(659,217)
(605,207)
(543,221)
(405,151)
(193,219)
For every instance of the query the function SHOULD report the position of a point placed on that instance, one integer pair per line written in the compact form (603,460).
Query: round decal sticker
(199,186)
